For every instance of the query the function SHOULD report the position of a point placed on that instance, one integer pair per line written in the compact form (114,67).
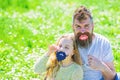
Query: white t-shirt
(101,49)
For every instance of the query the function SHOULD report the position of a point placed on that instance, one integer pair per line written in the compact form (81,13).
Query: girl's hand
(51,49)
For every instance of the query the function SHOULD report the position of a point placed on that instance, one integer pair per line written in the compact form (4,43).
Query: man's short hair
(81,13)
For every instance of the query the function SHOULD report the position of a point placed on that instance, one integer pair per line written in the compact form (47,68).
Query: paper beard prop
(60,55)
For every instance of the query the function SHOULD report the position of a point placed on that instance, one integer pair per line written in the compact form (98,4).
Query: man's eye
(77,26)
(87,26)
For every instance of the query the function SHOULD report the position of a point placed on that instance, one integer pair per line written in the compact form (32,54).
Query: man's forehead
(86,21)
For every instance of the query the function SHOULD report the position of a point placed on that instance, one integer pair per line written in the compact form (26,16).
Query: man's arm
(108,71)
(107,68)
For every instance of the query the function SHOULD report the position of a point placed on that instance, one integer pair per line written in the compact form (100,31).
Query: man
(94,49)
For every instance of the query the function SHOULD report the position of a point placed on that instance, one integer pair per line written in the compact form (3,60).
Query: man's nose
(82,30)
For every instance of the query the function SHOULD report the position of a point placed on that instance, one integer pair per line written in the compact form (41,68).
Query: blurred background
(28,27)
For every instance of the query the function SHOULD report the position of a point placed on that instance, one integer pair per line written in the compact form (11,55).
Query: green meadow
(28,27)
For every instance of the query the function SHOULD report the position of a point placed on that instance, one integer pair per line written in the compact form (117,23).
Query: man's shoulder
(101,38)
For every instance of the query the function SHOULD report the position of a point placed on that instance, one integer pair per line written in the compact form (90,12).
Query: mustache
(85,33)
(83,43)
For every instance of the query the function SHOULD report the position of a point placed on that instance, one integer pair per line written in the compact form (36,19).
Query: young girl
(67,69)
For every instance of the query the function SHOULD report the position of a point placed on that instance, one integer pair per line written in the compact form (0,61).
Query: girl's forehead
(66,41)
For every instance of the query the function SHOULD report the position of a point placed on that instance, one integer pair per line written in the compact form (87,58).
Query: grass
(27,27)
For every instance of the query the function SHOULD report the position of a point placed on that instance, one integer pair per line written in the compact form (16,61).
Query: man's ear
(73,27)
(92,24)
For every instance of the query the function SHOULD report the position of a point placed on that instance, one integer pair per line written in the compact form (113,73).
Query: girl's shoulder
(77,66)
(77,73)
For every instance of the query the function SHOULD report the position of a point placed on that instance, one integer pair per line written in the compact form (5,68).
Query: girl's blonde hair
(53,65)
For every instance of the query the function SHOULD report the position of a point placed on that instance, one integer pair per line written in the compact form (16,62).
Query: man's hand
(94,63)
(107,68)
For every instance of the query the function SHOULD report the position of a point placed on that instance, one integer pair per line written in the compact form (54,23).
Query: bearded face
(83,30)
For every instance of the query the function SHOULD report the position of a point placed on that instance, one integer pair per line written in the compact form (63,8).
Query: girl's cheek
(67,53)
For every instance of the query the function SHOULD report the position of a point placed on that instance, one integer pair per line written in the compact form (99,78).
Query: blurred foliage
(28,27)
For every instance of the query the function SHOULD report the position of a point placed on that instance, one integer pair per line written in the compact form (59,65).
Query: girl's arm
(40,65)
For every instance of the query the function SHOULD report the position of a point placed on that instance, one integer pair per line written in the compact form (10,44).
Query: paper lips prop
(60,55)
